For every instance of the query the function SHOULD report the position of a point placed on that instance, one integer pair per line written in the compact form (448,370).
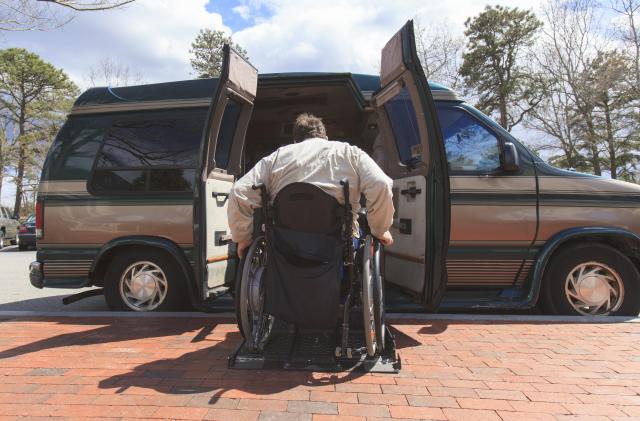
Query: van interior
(276,107)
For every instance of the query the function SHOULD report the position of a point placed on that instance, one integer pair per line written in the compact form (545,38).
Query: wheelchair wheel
(368,300)
(378,297)
(255,325)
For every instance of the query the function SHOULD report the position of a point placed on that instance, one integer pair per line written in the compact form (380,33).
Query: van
(134,191)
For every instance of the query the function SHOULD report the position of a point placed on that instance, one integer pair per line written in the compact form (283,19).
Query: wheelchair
(309,293)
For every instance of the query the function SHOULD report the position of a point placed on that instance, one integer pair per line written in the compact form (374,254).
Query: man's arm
(377,189)
(243,200)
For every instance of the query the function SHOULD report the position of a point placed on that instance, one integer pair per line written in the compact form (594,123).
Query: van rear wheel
(144,281)
(592,280)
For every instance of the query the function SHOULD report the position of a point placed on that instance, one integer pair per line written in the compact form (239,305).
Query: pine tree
(34,96)
(206,52)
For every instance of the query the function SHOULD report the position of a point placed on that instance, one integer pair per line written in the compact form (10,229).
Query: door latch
(411,191)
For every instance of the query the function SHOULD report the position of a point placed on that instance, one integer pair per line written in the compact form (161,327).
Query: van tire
(561,296)
(162,280)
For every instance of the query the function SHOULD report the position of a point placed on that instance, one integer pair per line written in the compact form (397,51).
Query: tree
(28,15)
(629,33)
(35,97)
(206,52)
(497,39)
(570,43)
(607,79)
(110,73)
(440,53)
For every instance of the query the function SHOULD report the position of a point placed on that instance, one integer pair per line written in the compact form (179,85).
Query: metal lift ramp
(290,348)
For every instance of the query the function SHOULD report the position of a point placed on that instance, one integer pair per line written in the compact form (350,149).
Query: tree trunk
(19,179)
(503,112)
(613,164)
(22,157)
(593,144)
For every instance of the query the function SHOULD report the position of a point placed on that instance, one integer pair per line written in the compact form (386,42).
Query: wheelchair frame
(269,343)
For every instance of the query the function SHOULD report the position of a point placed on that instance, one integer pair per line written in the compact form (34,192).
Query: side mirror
(510,160)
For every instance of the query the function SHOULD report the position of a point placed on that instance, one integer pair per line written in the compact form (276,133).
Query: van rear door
(220,155)
(417,163)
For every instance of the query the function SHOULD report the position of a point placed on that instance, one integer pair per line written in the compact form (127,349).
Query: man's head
(307,126)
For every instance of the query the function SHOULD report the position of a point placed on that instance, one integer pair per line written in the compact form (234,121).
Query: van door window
(227,130)
(404,124)
(469,145)
(154,152)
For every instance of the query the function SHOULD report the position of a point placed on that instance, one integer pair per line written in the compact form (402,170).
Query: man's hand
(386,239)
(242,248)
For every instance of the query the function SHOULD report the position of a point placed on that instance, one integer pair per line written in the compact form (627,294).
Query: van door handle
(221,238)
(412,191)
(216,195)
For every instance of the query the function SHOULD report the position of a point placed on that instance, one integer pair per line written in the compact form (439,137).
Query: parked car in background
(8,227)
(27,233)
(134,191)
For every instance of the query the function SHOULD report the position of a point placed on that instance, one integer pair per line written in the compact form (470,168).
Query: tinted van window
(74,150)
(469,145)
(404,124)
(153,151)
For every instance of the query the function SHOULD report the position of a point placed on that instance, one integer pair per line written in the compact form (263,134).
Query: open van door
(220,156)
(416,160)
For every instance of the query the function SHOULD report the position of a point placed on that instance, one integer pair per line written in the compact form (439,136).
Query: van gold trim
(140,106)
(69,187)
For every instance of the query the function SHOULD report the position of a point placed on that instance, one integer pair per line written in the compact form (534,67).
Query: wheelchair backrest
(307,208)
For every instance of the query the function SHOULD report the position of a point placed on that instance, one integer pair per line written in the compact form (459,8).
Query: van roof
(204,88)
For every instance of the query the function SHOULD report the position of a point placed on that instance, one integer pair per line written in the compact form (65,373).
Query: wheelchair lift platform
(315,350)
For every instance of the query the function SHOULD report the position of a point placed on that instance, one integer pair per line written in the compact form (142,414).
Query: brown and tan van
(134,189)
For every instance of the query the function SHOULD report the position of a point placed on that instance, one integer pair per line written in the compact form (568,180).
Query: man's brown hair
(307,126)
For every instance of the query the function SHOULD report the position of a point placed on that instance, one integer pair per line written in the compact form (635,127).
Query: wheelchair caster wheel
(338,352)
(349,353)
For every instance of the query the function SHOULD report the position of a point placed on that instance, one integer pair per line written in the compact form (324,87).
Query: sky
(153,37)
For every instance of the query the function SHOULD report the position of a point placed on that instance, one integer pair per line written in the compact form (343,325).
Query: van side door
(417,164)
(220,156)
(493,209)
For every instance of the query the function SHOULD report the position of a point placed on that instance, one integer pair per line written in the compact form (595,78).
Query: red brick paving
(159,368)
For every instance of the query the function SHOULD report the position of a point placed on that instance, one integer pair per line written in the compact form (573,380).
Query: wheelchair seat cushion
(302,279)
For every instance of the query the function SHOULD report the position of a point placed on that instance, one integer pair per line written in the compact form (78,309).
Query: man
(314,159)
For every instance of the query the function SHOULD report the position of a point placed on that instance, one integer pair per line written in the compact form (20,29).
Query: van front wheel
(144,281)
(592,280)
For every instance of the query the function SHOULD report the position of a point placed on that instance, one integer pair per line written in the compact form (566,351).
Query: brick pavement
(150,368)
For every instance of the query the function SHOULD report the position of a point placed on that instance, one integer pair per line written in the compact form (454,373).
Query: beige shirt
(322,163)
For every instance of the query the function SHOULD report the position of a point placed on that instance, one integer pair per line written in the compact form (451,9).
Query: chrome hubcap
(594,289)
(143,286)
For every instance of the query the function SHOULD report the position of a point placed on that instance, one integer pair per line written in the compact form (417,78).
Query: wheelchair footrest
(297,349)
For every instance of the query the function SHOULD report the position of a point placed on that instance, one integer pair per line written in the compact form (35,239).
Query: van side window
(74,150)
(150,152)
(469,145)
(402,117)
(227,130)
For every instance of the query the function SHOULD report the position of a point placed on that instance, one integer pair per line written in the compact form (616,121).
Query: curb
(391,316)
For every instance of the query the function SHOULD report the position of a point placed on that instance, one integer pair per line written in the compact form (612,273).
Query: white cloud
(154,36)
(345,36)
(243,10)
(150,36)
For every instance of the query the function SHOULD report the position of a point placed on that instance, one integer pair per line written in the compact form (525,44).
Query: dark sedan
(27,233)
